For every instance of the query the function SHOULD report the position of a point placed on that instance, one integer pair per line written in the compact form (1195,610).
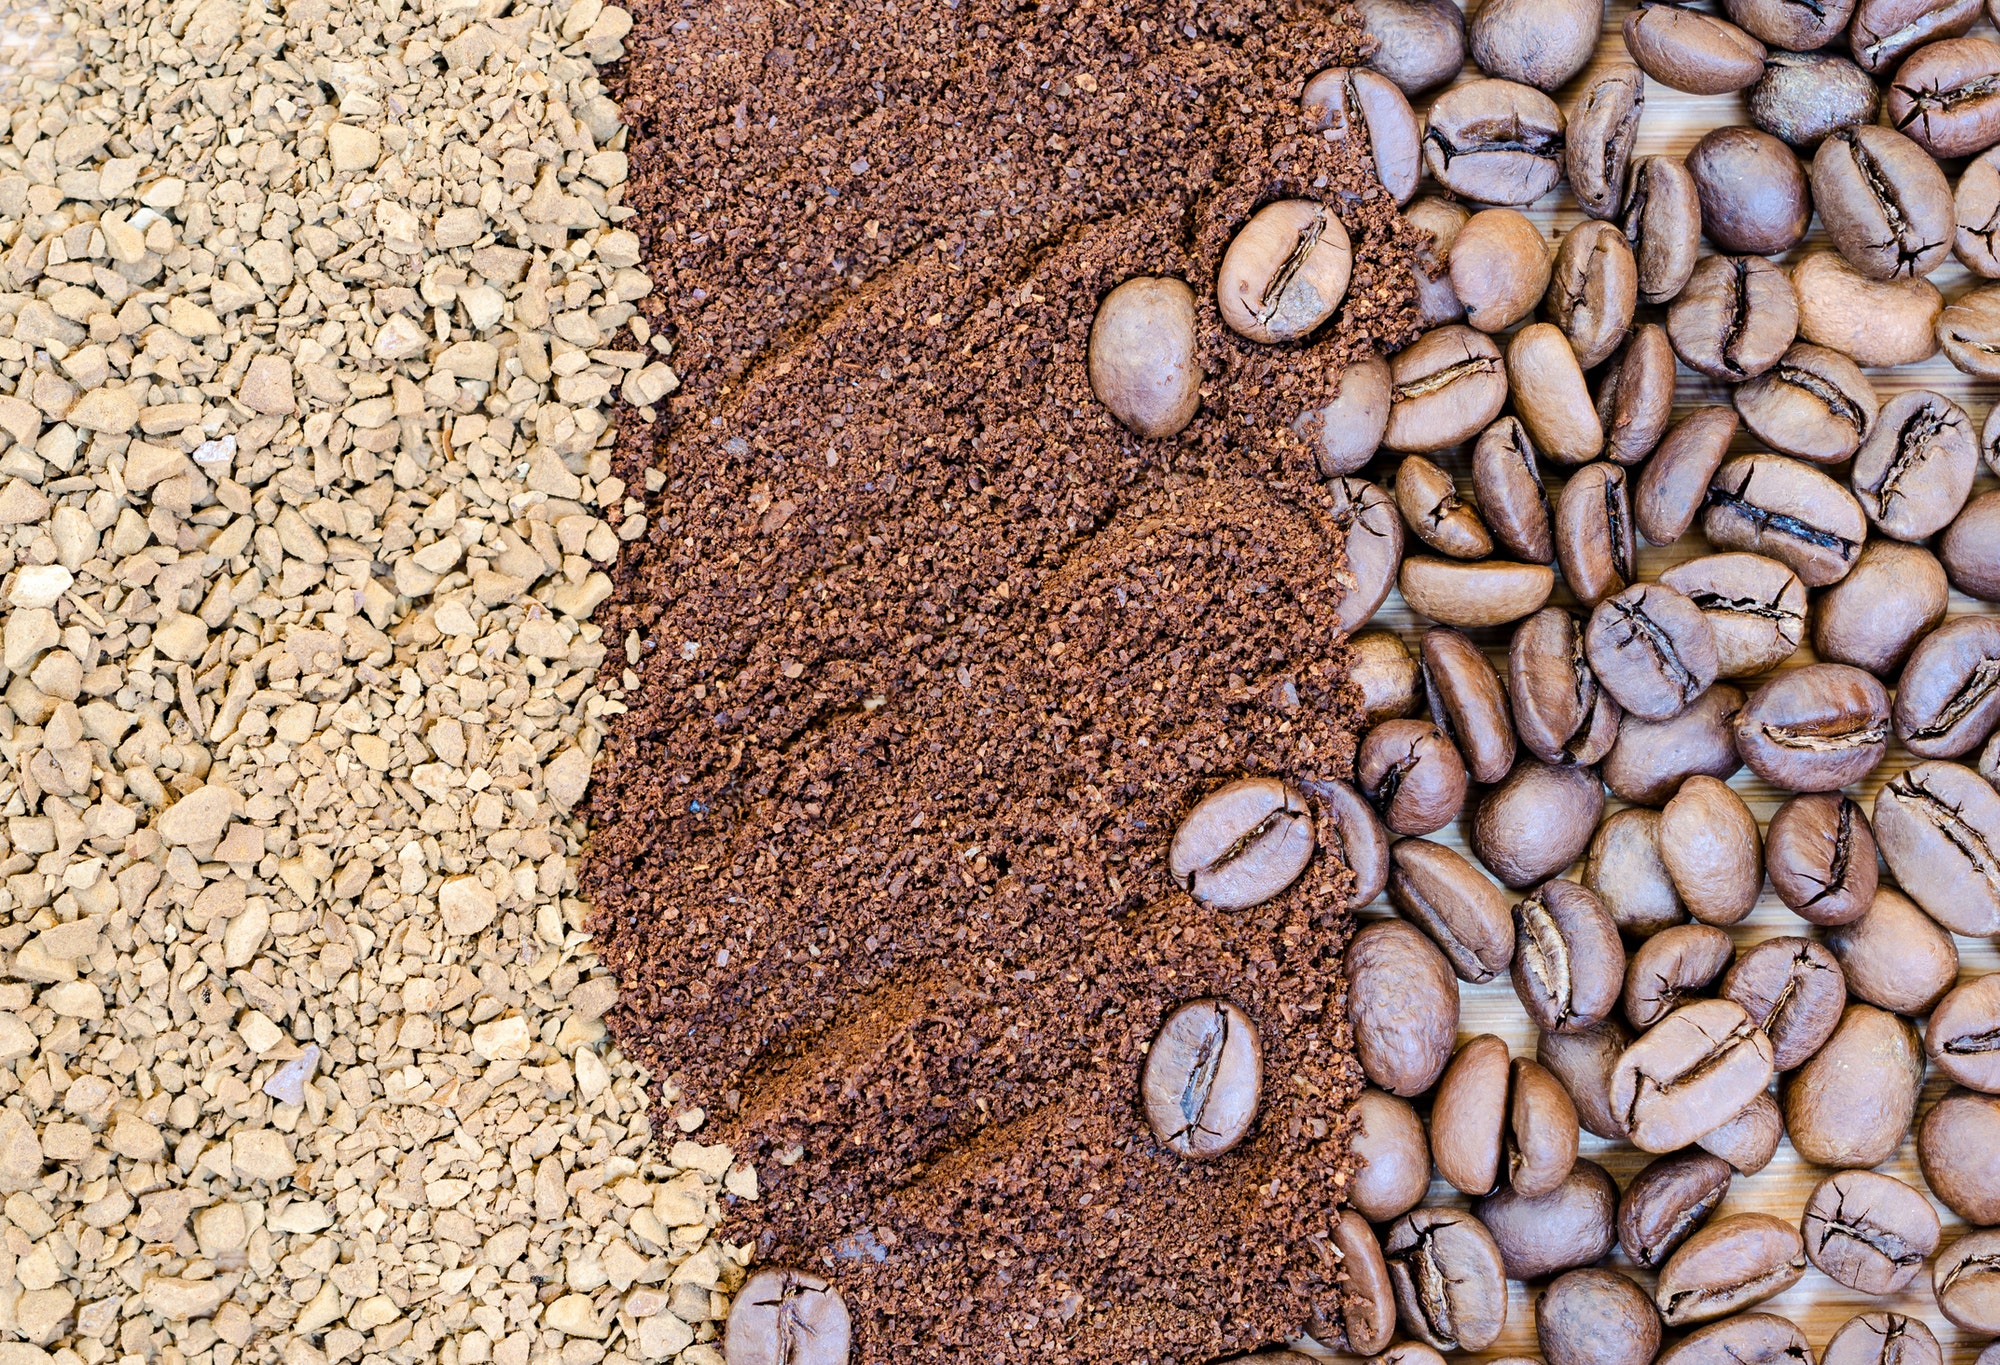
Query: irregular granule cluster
(933,656)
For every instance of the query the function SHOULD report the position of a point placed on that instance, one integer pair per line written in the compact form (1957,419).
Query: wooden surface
(1671,124)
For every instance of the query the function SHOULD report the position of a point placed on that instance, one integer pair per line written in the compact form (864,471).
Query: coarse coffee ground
(934,656)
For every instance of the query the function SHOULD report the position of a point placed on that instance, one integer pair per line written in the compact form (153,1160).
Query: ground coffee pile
(935,655)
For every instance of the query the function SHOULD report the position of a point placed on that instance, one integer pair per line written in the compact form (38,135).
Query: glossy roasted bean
(1469,1116)
(1413,774)
(1946,97)
(1755,605)
(1204,1078)
(1243,844)
(1372,537)
(1592,291)
(1966,1279)
(1285,272)
(1976,214)
(1885,31)
(1596,1317)
(1346,430)
(1794,989)
(1815,729)
(1969,332)
(1350,828)
(1537,42)
(1583,1061)
(1537,822)
(1971,548)
(1559,711)
(1728,1266)
(1428,499)
(1869,1232)
(1419,43)
(1636,397)
(1820,854)
(1603,126)
(1662,220)
(1466,698)
(1652,758)
(1499,268)
(1569,1227)
(1142,355)
(1437,305)
(1688,50)
(1488,593)
(1805,96)
(1567,957)
(1793,27)
(1689,1074)
(1391,681)
(1748,1141)
(1938,826)
(1877,322)
(1755,199)
(1675,481)
(1550,397)
(1668,1202)
(1959,1147)
(1464,913)
(1676,963)
(1508,484)
(1392,1157)
(1788,510)
(1815,404)
(1948,697)
(1885,203)
(1963,1036)
(1734,318)
(1367,1318)
(1746,1339)
(1894,596)
(1403,1006)
(1451,1289)
(1915,469)
(1851,1104)
(1882,1339)
(1652,649)
(1345,103)
(1626,873)
(1495,142)
(1448,386)
(1595,544)
(1894,955)
(1709,843)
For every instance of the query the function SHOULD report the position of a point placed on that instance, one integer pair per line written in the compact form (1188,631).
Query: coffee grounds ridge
(934,656)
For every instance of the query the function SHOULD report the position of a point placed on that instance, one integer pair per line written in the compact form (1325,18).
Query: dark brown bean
(1877,322)
(1895,955)
(1469,1116)
(1419,43)
(1350,828)
(1495,142)
(1708,841)
(1746,1339)
(1794,27)
(1366,1319)
(1626,873)
(1794,989)
(1687,50)
(1938,826)
(1637,395)
(1948,697)
(1204,1078)
(1592,290)
(1448,385)
(1594,532)
(1668,1202)
(1674,964)
(1851,1104)
(1451,1289)
(1815,404)
(1754,196)
(1428,499)
(1365,106)
(1689,1074)
(1662,221)
(1372,537)
(1755,605)
(1243,844)
(1675,481)
(1508,485)
(1391,681)
(1652,758)
(1963,1036)
(1869,1232)
(1882,1339)
(1603,126)
(1346,430)
(1728,1266)
(1820,854)
(1815,729)
(1893,597)
(1437,305)
(1946,97)
(1885,31)
(1285,271)
(1884,202)
(1499,268)
(1546,1235)
(1734,318)
(1788,510)
(1971,546)
(1748,1141)
(1583,1061)
(1537,42)
(1537,822)
(1413,774)
(1567,957)
(1403,1006)
(1490,592)
(1597,1317)
(1959,1147)
(1804,96)
(1652,649)
(1966,1280)
(1914,471)
(1969,332)
(1142,355)
(1550,396)
(1560,712)
(1976,213)
(1452,901)
(1392,1157)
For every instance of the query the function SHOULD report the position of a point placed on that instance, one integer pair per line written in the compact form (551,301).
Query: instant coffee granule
(933,656)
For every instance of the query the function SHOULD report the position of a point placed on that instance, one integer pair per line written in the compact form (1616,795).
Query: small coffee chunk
(1885,31)
(1346,430)
(1403,1006)
(1204,1077)
(1672,966)
(1603,127)
(1142,355)
(1371,534)
(1788,510)
(1448,386)
(1545,1235)
(1495,142)
(1507,482)
(1755,605)
(1662,220)
(1690,51)
(1550,396)
(1592,291)
(1735,317)
(1803,97)
(1451,1289)
(1413,774)
(1583,1061)
(1754,195)
(1428,499)
(1469,1116)
(1793,987)
(1392,1155)
(1668,1202)
(1877,322)
(1689,1074)
(1815,404)
(1970,547)
(1938,826)
(1946,97)
(1537,822)
(1748,1141)
(1567,957)
(1731,1264)
(1894,955)
(1285,272)
(1820,854)
(1626,873)
(1499,268)
(1243,844)
(1893,597)
(1464,913)
(1963,1037)
(1391,681)
(1595,544)
(1560,712)
(1348,103)
(786,1317)
(1948,697)
(1966,1280)
(1675,481)
(1915,469)
(1418,43)
(1709,843)
(1652,649)
(1536,42)
(1490,592)
(1596,1317)
(1466,698)
(1746,1339)
(1884,201)
(1882,1339)
(1852,1103)
(1868,1231)
(1959,1147)
(1815,729)
(1357,836)
(1653,757)
(1636,398)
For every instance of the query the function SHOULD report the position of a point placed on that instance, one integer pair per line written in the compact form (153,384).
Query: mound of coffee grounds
(935,655)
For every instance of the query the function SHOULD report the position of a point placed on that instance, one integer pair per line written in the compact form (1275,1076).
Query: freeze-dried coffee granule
(934,656)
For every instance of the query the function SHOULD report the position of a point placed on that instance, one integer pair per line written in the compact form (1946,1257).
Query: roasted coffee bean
(1851,1104)
(1815,729)
(1948,698)
(1915,469)
(1625,872)
(1872,618)
(1351,830)
(1551,1233)
(1652,758)
(1805,96)
(1593,290)
(1285,272)
(1754,195)
(1432,509)
(1365,107)
(787,1317)
(1684,49)
(1894,955)
(1469,1116)
(1734,318)
(1346,430)
(1877,322)
(1142,355)
(1884,202)
(1550,396)
(1794,989)
(1662,221)
(1746,1339)
(1651,648)
(1756,607)
(1466,698)
(1971,548)
(1966,1280)
(1365,1319)
(1594,533)
(1403,1006)
(1392,1157)
(1869,1232)
(1709,843)
(1789,511)
(1536,42)
(1883,32)
(1963,1037)
(1537,822)
(1372,537)
(1413,774)
(1636,398)
(1748,1141)
(1675,481)
(1437,305)
(1603,127)
(1495,142)
(1678,962)
(1989,761)
(1689,1074)
(1243,844)
(1560,712)
(1882,1339)
(1976,215)
(1567,957)
(1668,1202)
(1410,1352)
(1596,1317)
(1820,854)
(1959,1147)
(1508,484)
(1451,1291)
(1391,681)
(1938,826)
(1448,385)
(1728,1266)
(1499,268)
(1946,96)
(1491,592)
(1969,332)
(1204,1076)
(1794,27)
(1451,900)
(1583,1061)
(1418,43)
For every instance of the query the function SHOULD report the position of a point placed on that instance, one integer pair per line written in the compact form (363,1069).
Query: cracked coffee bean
(1966,1280)
(1285,272)
(1571,1226)
(1467,700)
(1443,219)
(1958,1146)
(1884,202)
(1652,758)
(1728,1266)
(1536,42)
(1788,510)
(1754,197)
(1583,1061)
(1963,1036)
(1969,332)
(1560,712)
(1687,50)
(1746,1339)
(1596,1317)
(1507,482)
(1709,842)
(1594,533)
(1372,537)
(1389,678)
(1976,215)
(1689,1074)
(1464,913)
(1815,404)
(1791,25)
(1428,499)
(1451,1290)
(1873,618)
(1678,962)
(1402,1004)
(1490,592)
(1367,1317)
(787,1317)
(1946,97)
(1735,317)
(1567,958)
(1204,1076)
(1851,1104)
(1668,1202)
(1755,605)
(1499,268)
(1869,1232)
(1625,872)
(1895,956)
(1537,822)
(1243,844)
(1469,1115)
(1392,1157)
(1652,650)
(1593,290)
(1915,470)
(1882,1339)
(1603,128)
(1346,430)
(1938,826)
(1662,220)
(1550,396)
(1883,32)
(1793,987)
(1820,854)
(1419,43)
(1413,774)
(1948,699)
(1803,97)
(1636,398)
(1365,107)
(1357,834)
(1448,385)
(1748,1141)
(1495,142)
(1971,548)
(1815,729)
(1142,355)
(1675,481)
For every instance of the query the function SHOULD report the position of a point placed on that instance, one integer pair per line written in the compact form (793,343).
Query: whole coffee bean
(1365,107)
(1392,1157)
(1142,355)
(1882,1339)
(1536,42)
(1491,592)
(1976,215)
(1652,758)
(1938,826)
(1668,1202)
(1508,484)
(1948,699)
(1686,50)
(1551,1233)
(1451,1290)
(1662,221)
(1894,596)
(1550,396)
(1366,1317)
(1877,322)
(1499,268)
(1204,1076)
(1467,699)
(1560,712)
(1709,843)
(1804,96)
(1567,958)
(1594,526)
(1754,196)
(1963,1037)
(1959,1147)
(1410,1352)
(1350,828)
(1820,854)
(1437,305)
(1728,1266)
(1495,142)
(1869,1232)
(1593,290)
(1746,1339)
(1748,1141)
(1596,1317)
(1583,1061)
(1885,31)
(1371,534)
(787,1317)
(1452,901)
(1537,822)
(1690,1073)
(1413,774)
(1946,96)
(1815,729)
(1652,650)
(1448,385)
(1796,28)
(1391,681)
(1966,1280)
(1432,509)
(1915,469)
(1884,202)
(1895,955)
(1345,431)
(1243,844)
(1675,481)
(1626,873)
(1734,318)
(1403,1006)
(1418,43)
(1469,1116)
(1794,989)
(1672,966)
(1789,511)
(1603,127)
(1756,607)
(1851,1104)
(1971,548)
(1285,272)
(1636,398)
